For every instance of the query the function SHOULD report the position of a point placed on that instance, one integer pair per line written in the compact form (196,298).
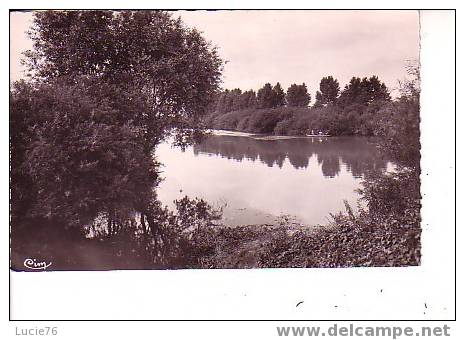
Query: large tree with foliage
(250,99)
(399,122)
(297,95)
(364,91)
(157,72)
(265,97)
(106,88)
(328,93)
(279,96)
(74,160)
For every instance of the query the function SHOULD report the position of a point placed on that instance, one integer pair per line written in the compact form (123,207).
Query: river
(265,179)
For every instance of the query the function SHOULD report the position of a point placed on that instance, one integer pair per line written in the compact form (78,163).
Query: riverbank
(363,242)
(386,233)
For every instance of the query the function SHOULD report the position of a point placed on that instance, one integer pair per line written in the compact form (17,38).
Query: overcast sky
(291,46)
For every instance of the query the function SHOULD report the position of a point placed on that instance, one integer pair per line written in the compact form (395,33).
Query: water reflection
(359,155)
(258,180)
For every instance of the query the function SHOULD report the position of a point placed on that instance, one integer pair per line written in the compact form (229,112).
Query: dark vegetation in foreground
(84,129)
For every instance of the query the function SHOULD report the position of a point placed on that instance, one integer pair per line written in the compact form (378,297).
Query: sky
(289,46)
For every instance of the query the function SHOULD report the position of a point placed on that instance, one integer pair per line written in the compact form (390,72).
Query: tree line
(271,110)
(359,91)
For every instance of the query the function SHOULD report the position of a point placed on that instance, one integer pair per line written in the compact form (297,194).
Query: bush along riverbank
(355,110)
(300,121)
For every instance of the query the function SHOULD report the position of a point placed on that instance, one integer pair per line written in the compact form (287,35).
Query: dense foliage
(328,93)
(105,88)
(357,110)
(158,73)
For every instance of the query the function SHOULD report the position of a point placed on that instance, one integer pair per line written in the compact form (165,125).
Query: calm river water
(258,180)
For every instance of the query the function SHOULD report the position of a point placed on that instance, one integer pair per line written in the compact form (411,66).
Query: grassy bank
(363,241)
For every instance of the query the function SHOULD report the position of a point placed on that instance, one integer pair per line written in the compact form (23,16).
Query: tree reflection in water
(258,180)
(358,154)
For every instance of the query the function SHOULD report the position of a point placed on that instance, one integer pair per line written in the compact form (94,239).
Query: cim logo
(35,265)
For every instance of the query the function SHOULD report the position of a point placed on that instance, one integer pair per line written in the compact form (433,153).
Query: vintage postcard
(163,140)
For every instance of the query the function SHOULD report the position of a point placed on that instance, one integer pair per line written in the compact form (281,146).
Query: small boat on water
(319,134)
(322,135)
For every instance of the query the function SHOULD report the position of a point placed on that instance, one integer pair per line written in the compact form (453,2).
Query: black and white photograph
(246,164)
(156,140)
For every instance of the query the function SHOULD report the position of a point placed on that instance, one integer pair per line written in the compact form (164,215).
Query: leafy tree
(162,72)
(279,95)
(329,91)
(297,95)
(352,92)
(235,97)
(247,100)
(96,166)
(399,123)
(251,99)
(21,134)
(221,102)
(266,97)
(232,100)
(378,90)
(106,88)
(410,87)
(364,91)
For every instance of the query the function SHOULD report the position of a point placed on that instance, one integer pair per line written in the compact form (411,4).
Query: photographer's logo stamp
(36,265)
